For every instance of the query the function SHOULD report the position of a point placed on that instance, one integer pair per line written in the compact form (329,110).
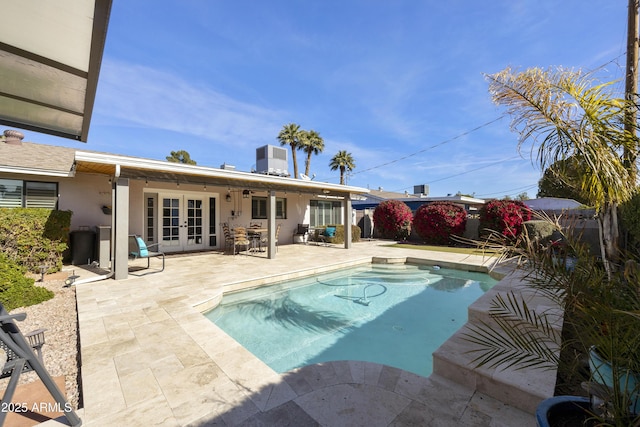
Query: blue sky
(398,84)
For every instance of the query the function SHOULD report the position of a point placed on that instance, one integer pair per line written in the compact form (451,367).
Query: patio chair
(325,236)
(20,358)
(240,238)
(228,237)
(139,249)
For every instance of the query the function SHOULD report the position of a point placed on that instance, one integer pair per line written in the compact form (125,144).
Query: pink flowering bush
(393,219)
(504,216)
(436,222)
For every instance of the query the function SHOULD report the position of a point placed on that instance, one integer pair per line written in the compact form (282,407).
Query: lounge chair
(20,359)
(139,249)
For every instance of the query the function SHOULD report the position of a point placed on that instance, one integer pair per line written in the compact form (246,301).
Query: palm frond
(520,338)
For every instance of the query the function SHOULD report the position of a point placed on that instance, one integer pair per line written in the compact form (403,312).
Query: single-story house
(414,201)
(181,207)
(551,204)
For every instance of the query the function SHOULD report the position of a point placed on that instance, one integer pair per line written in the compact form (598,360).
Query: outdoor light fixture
(245,194)
(228,197)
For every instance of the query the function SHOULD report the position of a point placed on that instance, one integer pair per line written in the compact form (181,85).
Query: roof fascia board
(39,172)
(178,168)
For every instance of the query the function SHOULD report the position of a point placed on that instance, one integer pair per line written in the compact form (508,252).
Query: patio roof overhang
(50,56)
(162,171)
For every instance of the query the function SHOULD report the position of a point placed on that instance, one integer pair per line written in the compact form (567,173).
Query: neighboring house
(551,204)
(180,207)
(414,201)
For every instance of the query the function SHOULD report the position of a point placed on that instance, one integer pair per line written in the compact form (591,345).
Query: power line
(469,171)
(509,191)
(431,147)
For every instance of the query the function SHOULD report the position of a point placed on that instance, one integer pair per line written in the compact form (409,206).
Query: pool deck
(150,358)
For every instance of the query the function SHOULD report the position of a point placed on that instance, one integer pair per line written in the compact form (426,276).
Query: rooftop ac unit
(272,160)
(421,189)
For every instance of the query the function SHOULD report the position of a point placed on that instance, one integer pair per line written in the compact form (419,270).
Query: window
(150,218)
(259,208)
(29,194)
(10,193)
(324,212)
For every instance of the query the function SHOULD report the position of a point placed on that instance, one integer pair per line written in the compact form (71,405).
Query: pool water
(393,314)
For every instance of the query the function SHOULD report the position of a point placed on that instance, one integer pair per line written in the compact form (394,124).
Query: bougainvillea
(504,216)
(436,222)
(393,219)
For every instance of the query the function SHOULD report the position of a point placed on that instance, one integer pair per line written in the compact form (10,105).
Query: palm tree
(312,143)
(343,161)
(292,135)
(565,115)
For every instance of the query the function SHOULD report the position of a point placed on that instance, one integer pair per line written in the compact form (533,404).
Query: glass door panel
(194,222)
(170,221)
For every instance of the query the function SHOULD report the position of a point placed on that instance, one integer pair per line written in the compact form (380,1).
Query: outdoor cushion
(144,252)
(330,231)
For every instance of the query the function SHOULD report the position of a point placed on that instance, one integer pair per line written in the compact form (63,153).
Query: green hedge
(539,230)
(34,237)
(17,290)
(339,237)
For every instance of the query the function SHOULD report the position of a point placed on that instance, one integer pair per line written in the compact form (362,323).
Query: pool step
(512,284)
(521,388)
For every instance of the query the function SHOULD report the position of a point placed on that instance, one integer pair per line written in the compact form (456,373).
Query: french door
(182,222)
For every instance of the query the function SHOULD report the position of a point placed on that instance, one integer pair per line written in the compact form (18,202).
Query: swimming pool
(393,314)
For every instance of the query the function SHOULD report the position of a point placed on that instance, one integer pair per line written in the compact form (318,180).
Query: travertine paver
(149,357)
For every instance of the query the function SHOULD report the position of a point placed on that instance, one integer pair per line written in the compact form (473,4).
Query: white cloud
(140,96)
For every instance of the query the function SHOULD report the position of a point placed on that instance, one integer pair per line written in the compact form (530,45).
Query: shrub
(33,237)
(17,290)
(393,219)
(630,219)
(436,222)
(504,216)
(540,231)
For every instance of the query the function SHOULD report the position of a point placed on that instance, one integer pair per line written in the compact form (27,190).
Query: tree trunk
(609,235)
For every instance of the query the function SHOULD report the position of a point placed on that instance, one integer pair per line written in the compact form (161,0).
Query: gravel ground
(60,319)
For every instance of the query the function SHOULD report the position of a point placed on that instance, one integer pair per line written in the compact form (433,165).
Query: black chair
(302,234)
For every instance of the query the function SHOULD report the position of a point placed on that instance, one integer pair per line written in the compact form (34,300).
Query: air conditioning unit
(272,160)
(421,189)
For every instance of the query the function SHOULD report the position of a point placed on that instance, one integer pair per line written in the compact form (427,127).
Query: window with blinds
(29,194)
(10,193)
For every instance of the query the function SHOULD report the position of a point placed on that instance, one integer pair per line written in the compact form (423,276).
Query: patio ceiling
(50,56)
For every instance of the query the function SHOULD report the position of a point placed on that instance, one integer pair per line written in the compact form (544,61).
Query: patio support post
(347,221)
(120,228)
(271,224)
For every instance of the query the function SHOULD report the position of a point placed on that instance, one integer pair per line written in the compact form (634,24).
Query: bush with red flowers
(393,219)
(436,222)
(504,216)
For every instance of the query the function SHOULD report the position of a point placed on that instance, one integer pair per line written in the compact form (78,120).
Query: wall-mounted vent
(272,160)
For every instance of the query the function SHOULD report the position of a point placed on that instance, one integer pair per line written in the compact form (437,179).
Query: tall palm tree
(292,135)
(565,115)
(312,143)
(343,161)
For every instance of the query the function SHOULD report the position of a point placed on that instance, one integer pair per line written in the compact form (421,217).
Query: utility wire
(431,147)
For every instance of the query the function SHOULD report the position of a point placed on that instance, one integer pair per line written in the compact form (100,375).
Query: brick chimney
(13,137)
